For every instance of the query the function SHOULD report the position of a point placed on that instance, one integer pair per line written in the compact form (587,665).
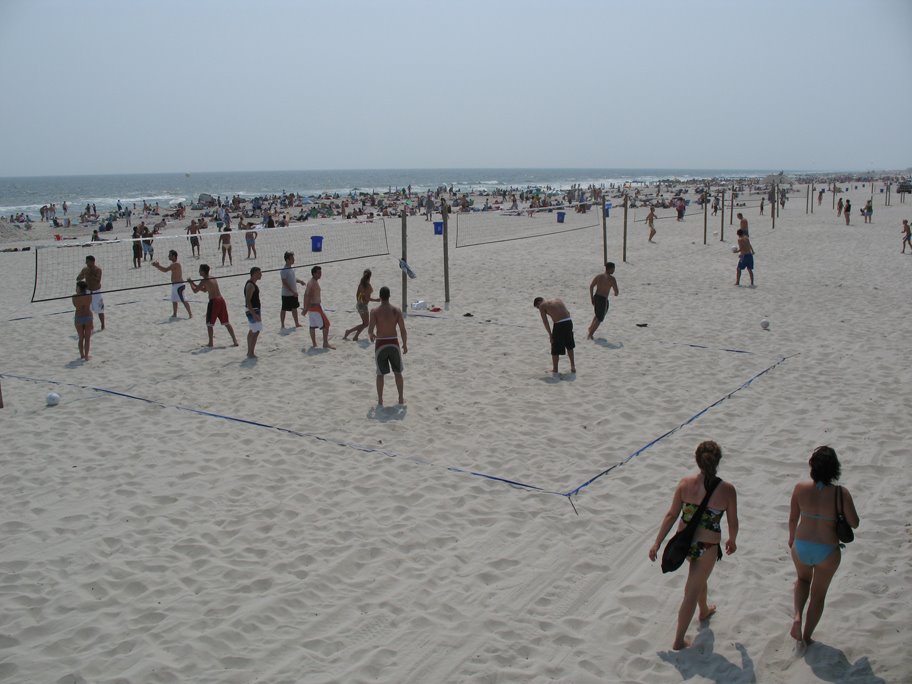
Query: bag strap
(695,520)
(839,513)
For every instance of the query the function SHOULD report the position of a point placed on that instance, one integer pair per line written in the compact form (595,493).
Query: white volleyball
(734,249)
(53,399)
(764,324)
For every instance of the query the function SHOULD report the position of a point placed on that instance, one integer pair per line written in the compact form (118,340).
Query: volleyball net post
(807,202)
(604,232)
(626,203)
(722,219)
(775,204)
(705,215)
(731,208)
(445,210)
(405,260)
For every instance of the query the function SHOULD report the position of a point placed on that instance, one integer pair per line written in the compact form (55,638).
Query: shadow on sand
(831,665)
(700,661)
(385,414)
(602,342)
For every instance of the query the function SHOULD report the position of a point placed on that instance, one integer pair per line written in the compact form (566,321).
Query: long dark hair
(824,465)
(708,455)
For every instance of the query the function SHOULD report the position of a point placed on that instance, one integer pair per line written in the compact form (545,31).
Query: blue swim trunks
(746,261)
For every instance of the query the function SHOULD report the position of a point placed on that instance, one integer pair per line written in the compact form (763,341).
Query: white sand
(143,543)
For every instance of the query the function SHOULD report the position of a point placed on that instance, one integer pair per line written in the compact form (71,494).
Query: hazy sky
(93,86)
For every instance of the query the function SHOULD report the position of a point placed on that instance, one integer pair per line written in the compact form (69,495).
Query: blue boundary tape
(289,431)
(393,454)
(675,429)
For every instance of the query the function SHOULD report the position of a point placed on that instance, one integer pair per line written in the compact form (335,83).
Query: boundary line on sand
(393,454)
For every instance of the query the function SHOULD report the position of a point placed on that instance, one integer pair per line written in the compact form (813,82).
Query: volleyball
(734,249)
(764,324)
(53,399)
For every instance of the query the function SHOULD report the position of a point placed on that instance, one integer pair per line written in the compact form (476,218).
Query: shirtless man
(381,329)
(599,289)
(290,284)
(216,309)
(252,304)
(225,242)
(562,335)
(313,309)
(650,221)
(177,283)
(91,274)
(907,235)
(743,224)
(193,230)
(745,257)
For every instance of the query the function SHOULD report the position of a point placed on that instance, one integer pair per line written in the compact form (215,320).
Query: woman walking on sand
(813,540)
(705,549)
(362,297)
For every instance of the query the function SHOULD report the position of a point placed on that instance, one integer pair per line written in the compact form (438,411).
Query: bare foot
(235,344)
(572,369)
(709,613)
(345,336)
(210,345)
(328,346)
(401,399)
(795,631)
(589,336)
(685,643)
(251,356)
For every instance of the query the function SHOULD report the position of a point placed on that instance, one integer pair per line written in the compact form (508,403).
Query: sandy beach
(186,515)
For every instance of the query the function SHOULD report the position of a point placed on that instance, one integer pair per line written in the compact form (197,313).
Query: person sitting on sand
(561,336)
(813,540)
(705,548)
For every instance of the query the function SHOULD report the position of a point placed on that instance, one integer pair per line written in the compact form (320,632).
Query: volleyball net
(487,227)
(313,242)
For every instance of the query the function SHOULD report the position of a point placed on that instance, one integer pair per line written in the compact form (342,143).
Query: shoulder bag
(678,546)
(843,530)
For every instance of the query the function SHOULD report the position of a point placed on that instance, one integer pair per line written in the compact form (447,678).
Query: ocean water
(30,193)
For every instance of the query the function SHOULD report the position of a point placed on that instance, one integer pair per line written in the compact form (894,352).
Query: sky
(132,86)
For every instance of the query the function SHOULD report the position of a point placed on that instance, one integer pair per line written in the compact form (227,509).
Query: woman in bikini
(706,548)
(362,297)
(812,538)
(82,300)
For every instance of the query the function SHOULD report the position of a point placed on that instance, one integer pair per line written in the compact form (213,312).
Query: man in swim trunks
(599,289)
(252,304)
(193,230)
(562,335)
(177,283)
(216,309)
(745,257)
(313,309)
(91,274)
(290,301)
(381,329)
(743,224)
(650,221)
(250,237)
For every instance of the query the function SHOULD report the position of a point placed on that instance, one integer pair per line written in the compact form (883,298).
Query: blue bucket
(316,243)
(438,227)
(560,216)
(607,209)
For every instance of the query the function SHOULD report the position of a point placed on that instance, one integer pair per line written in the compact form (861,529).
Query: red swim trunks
(216,310)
